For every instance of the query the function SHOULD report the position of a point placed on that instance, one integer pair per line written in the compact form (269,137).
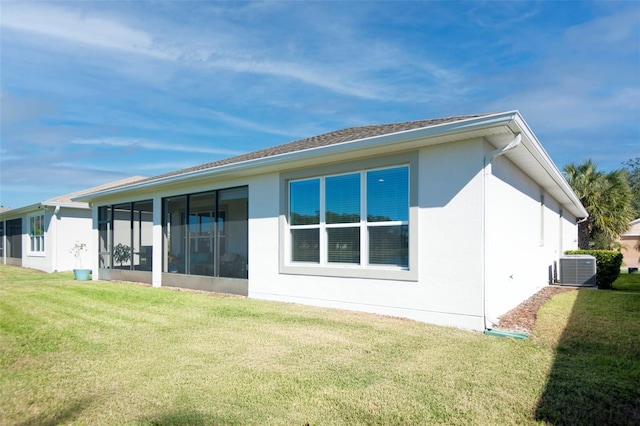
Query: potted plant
(173,263)
(79,273)
(121,253)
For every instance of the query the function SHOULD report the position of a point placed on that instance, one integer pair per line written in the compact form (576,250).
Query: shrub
(608,264)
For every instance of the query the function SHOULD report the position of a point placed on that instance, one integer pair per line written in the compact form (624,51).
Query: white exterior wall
(62,230)
(451,224)
(72,225)
(34,260)
(446,292)
(523,237)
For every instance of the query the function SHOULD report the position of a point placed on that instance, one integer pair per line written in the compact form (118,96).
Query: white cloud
(586,80)
(17,110)
(158,168)
(77,27)
(348,66)
(252,125)
(501,15)
(152,145)
(620,31)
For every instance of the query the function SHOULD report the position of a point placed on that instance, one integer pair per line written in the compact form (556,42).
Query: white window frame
(362,269)
(36,242)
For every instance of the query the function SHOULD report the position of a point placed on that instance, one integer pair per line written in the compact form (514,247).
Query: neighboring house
(40,235)
(630,241)
(451,221)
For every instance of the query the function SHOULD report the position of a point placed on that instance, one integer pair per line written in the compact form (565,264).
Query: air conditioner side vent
(578,270)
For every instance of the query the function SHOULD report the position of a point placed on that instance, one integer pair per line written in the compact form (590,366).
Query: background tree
(632,168)
(607,198)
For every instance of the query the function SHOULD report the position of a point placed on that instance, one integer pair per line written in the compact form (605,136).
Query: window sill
(348,271)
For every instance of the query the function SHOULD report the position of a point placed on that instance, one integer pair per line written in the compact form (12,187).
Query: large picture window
(36,233)
(358,218)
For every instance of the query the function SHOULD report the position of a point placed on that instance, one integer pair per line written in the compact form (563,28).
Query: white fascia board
(253,165)
(9,214)
(19,211)
(72,205)
(547,168)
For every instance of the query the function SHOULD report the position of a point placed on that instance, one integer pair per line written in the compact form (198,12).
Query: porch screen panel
(232,229)
(104,237)
(201,248)
(175,234)
(122,236)
(142,235)
(14,238)
(388,216)
(1,240)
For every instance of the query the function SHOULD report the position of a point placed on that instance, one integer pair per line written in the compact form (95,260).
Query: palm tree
(607,198)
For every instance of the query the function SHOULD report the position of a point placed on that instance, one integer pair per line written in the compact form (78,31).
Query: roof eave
(70,205)
(21,210)
(542,158)
(42,204)
(537,158)
(357,144)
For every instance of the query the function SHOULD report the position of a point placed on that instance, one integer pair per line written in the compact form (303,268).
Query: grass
(596,371)
(627,282)
(110,353)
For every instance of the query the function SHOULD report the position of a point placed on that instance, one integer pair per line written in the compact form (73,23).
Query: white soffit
(534,161)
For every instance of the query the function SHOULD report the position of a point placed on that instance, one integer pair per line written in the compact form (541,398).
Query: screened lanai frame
(206,233)
(126,236)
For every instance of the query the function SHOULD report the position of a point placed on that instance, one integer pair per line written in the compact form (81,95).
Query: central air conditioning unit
(578,270)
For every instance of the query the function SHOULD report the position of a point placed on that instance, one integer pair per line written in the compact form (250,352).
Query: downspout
(54,235)
(487,172)
(4,241)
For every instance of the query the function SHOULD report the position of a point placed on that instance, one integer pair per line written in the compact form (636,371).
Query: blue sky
(92,92)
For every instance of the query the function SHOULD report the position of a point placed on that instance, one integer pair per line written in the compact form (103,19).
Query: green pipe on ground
(503,333)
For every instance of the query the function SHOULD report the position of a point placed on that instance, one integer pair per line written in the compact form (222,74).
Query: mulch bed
(522,318)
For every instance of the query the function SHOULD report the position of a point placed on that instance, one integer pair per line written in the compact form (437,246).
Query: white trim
(12,213)
(37,253)
(362,269)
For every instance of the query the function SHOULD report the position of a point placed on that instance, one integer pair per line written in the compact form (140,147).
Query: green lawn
(110,353)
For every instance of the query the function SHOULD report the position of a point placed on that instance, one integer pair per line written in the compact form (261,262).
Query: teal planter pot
(81,274)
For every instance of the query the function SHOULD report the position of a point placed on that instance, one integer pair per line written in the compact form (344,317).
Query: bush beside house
(608,264)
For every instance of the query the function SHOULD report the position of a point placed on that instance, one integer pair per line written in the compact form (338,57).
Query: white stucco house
(630,242)
(40,235)
(451,221)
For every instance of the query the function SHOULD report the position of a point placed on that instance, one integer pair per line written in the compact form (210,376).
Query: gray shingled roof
(67,198)
(331,138)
